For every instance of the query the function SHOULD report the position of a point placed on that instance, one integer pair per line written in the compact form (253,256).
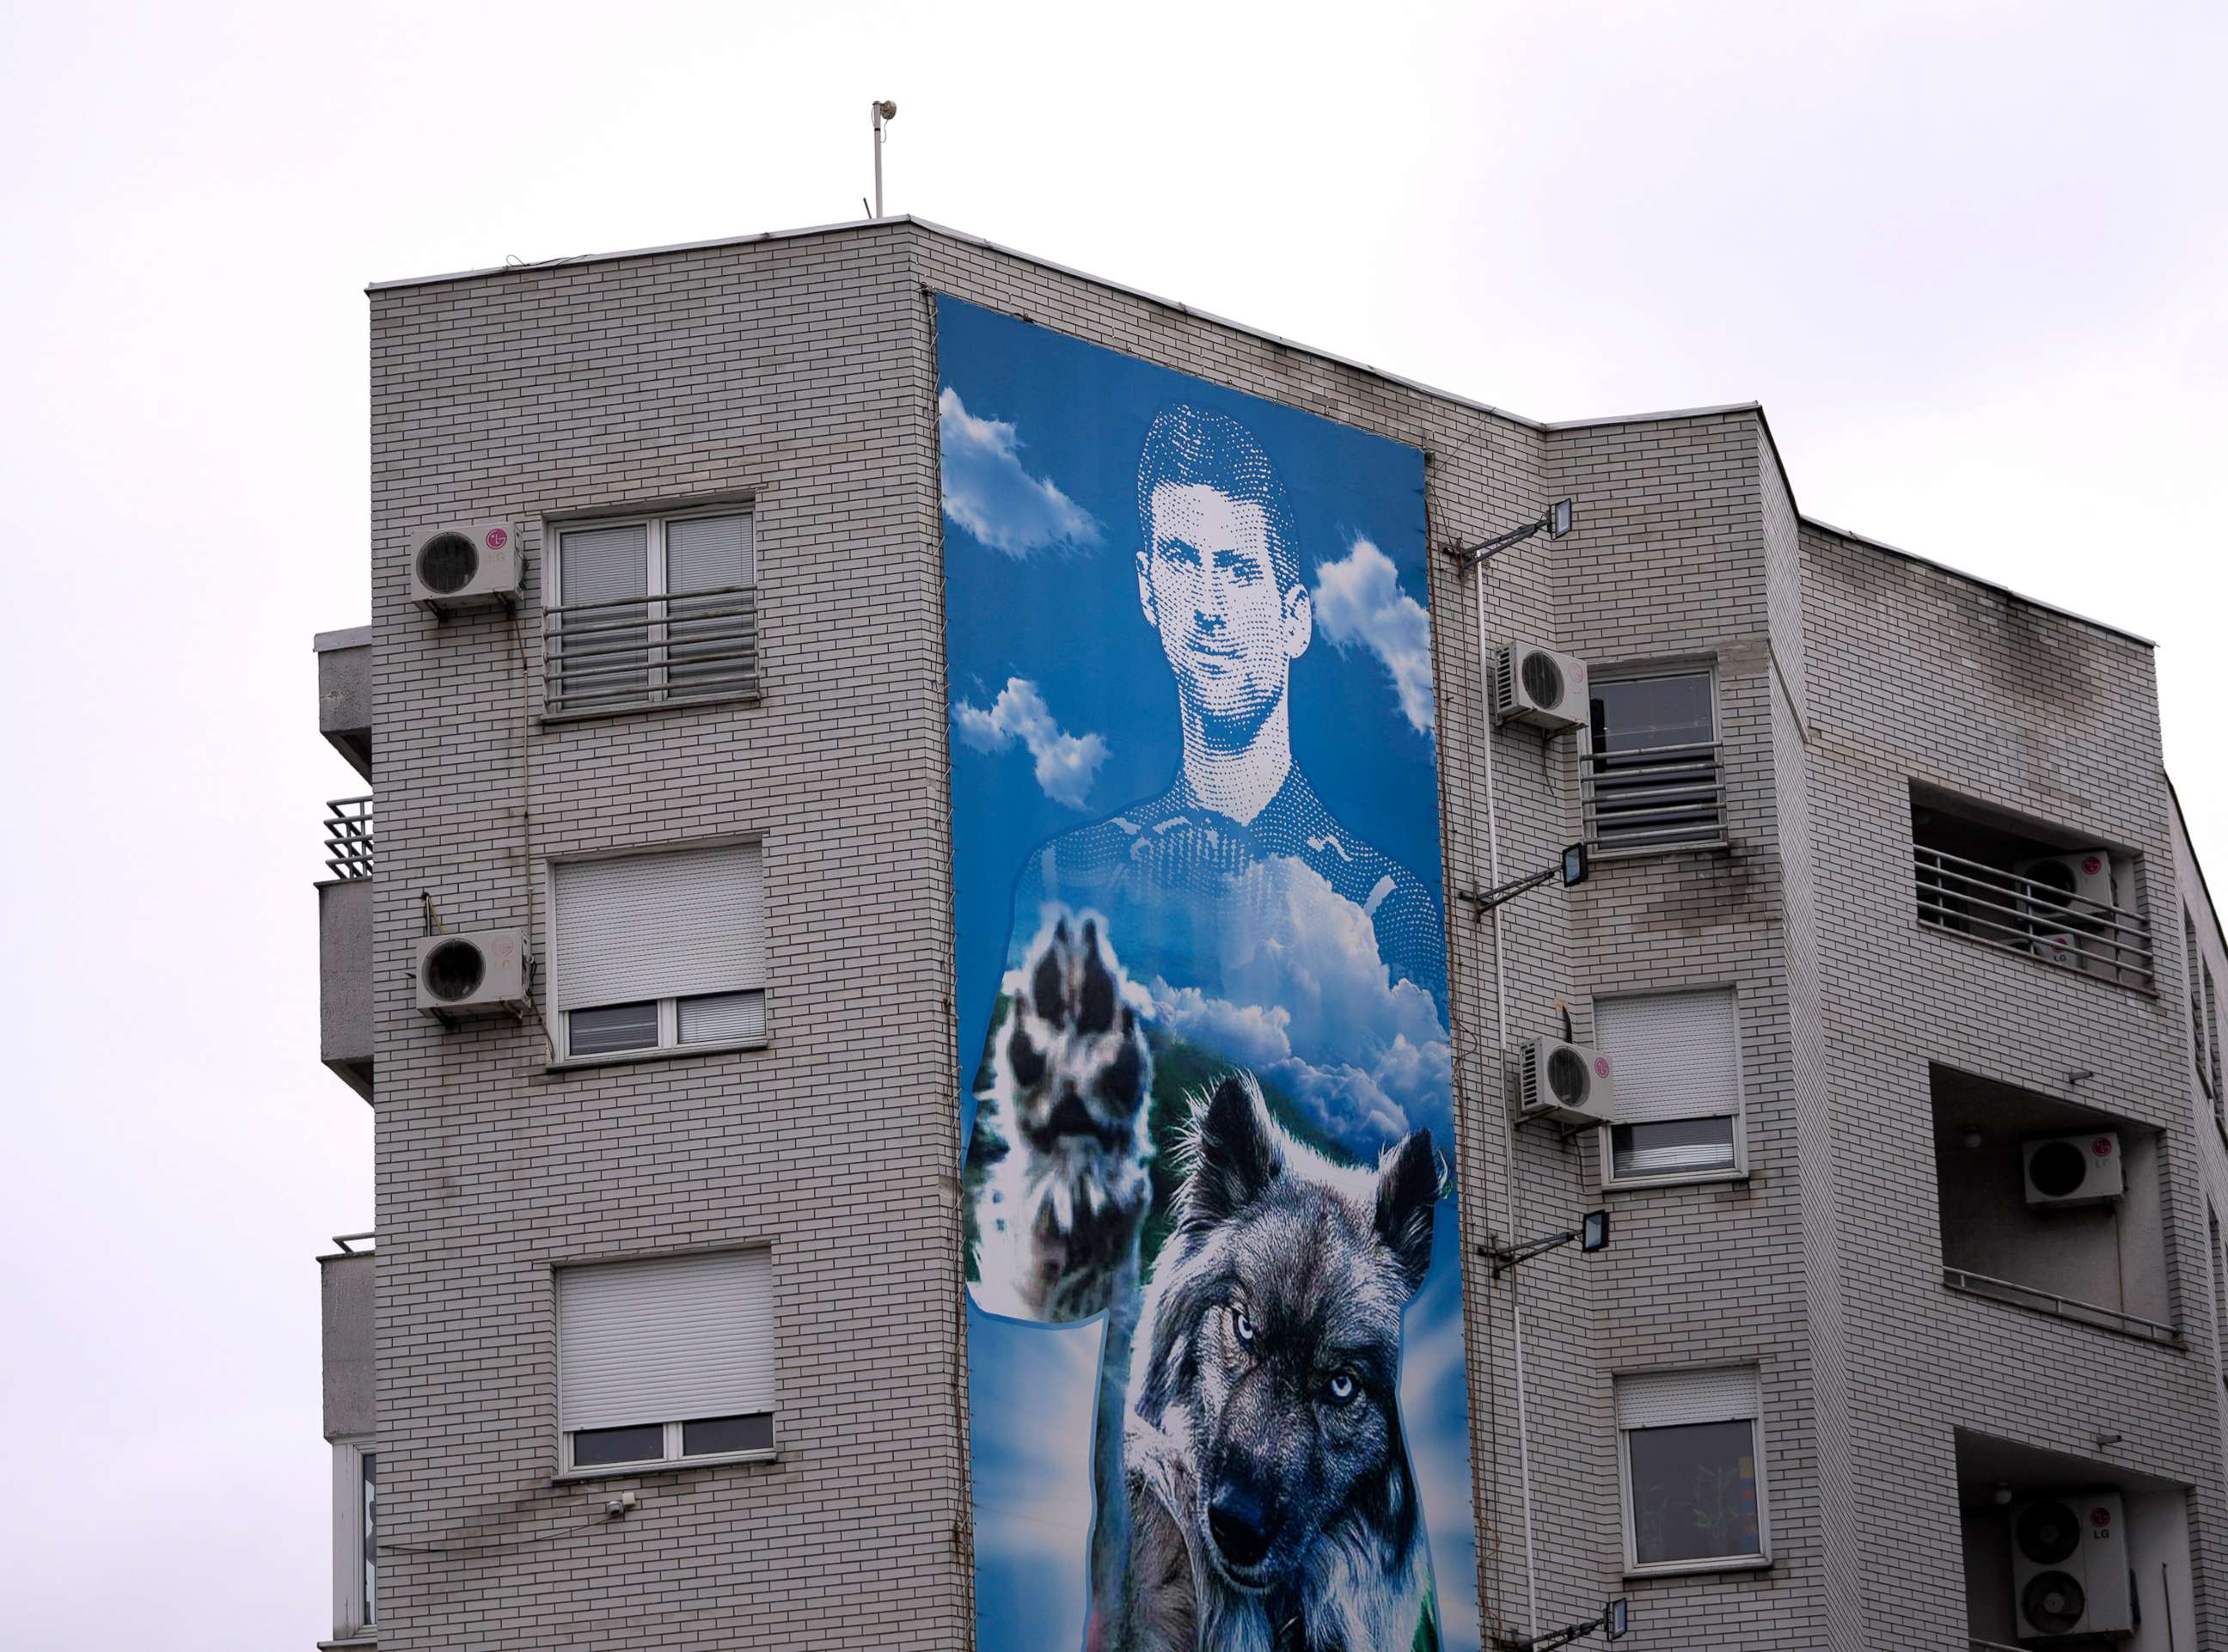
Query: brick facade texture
(799,373)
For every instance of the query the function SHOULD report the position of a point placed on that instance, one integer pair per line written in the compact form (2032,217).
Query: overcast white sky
(1969,256)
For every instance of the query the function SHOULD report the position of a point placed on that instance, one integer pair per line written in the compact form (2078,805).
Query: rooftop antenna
(884,111)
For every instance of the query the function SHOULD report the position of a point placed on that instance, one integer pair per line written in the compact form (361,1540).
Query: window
(1676,1060)
(652,611)
(2212,1037)
(2196,1009)
(665,1360)
(355,1538)
(1689,1458)
(1652,779)
(2219,1291)
(659,951)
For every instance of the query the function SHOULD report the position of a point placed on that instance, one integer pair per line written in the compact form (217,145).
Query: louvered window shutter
(1670,1398)
(1674,1055)
(668,1340)
(670,926)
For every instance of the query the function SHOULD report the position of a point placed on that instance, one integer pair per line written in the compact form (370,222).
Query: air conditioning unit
(1538,686)
(2067,1170)
(465,565)
(2064,918)
(481,972)
(1566,1082)
(2070,1567)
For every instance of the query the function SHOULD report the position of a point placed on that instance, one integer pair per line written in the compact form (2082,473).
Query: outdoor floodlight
(1615,1620)
(1571,869)
(1554,521)
(1592,1234)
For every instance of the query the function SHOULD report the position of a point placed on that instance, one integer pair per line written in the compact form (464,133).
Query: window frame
(668,1046)
(1704,666)
(656,663)
(1634,1567)
(671,1455)
(1605,1135)
(354,1565)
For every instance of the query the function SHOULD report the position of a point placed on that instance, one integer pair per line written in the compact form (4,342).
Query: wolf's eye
(1242,1326)
(1342,1388)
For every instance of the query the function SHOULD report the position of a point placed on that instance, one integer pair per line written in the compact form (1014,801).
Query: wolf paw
(1074,1068)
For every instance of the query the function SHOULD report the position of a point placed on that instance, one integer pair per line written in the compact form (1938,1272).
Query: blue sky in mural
(1064,713)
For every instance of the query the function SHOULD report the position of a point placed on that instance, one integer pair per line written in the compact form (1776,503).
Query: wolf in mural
(1271,1503)
(1254,1487)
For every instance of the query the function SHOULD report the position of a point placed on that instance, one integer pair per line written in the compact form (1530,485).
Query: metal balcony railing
(2060,1307)
(348,837)
(2002,909)
(1654,797)
(630,651)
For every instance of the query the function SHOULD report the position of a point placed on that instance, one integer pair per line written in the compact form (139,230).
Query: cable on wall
(1508,1137)
(526,823)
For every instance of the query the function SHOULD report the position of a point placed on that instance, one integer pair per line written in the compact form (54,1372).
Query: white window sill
(1698,1179)
(1699,1568)
(663,1052)
(664,1465)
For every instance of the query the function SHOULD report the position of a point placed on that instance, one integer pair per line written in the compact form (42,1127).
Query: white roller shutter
(1675,1054)
(666,1341)
(667,926)
(1669,1399)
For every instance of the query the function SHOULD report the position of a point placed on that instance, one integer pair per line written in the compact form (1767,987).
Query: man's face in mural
(1209,588)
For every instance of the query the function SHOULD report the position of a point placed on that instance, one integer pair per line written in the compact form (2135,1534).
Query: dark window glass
(370,1463)
(710,1435)
(612,1027)
(1679,1147)
(592,1447)
(1654,782)
(1694,1492)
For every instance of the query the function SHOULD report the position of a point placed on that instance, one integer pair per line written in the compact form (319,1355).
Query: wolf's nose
(1238,1524)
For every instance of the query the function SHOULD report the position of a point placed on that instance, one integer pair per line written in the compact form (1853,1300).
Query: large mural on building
(1215,1309)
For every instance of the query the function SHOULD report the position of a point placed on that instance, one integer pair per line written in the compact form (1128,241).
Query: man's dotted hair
(1185,446)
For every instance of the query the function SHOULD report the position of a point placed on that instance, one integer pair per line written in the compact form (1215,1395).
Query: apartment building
(640,948)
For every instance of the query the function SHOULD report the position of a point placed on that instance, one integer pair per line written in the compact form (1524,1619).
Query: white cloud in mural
(987,492)
(1359,602)
(1315,1011)
(1066,763)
